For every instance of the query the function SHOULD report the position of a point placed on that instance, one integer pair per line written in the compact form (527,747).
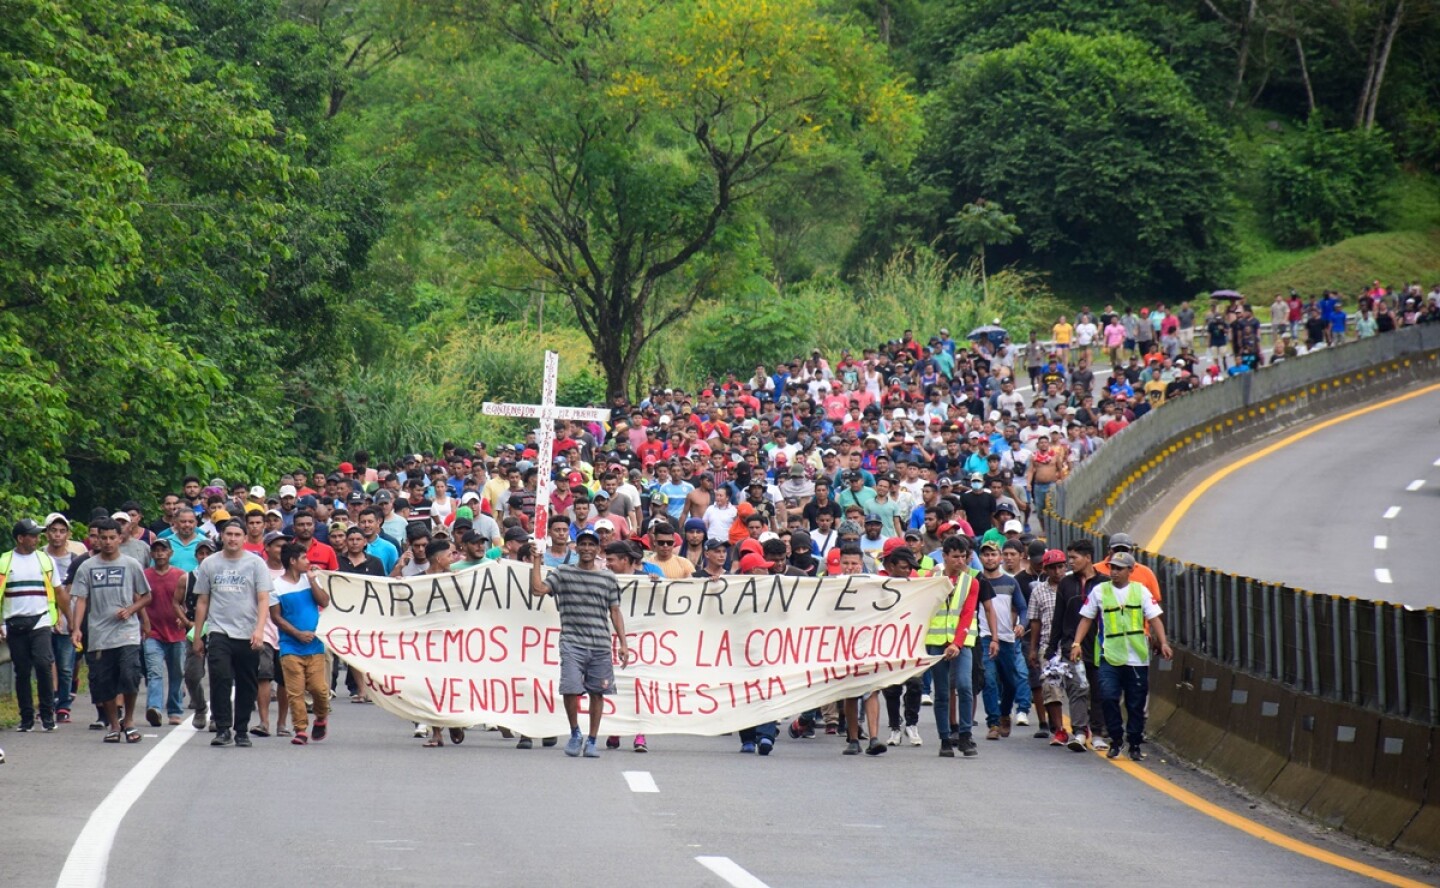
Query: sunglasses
(664,542)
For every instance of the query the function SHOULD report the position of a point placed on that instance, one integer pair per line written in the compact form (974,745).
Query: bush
(1325,185)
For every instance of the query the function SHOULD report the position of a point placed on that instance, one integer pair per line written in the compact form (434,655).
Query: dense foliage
(240,232)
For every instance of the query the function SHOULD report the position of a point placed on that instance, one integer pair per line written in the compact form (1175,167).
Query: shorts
(115,672)
(585,670)
(269,663)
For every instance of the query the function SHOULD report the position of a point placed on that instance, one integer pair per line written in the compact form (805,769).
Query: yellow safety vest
(47,573)
(947,619)
(1123,625)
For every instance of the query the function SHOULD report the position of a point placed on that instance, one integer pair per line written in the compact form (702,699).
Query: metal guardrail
(1373,654)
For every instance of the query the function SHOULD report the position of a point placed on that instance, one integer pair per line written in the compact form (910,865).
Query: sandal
(132,735)
(300,739)
(358,700)
(283,732)
(457,736)
(112,737)
(434,743)
(260,731)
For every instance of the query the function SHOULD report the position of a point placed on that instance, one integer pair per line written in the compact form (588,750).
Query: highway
(1351,509)
(369,807)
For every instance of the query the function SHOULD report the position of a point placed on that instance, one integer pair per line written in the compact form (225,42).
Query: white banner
(714,656)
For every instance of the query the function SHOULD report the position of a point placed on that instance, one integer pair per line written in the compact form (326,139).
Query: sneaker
(62,716)
(100,724)
(852,747)
(832,730)
(591,750)
(47,727)
(895,736)
(1099,744)
(796,730)
(420,731)
(26,727)
(765,745)
(198,722)
(927,700)
(242,740)
(912,733)
(525,743)
(1114,752)
(809,733)
(1005,726)
(947,750)
(640,743)
(1060,738)
(1041,733)
(1076,743)
(877,748)
(300,739)
(966,745)
(322,729)
(993,733)
(573,746)
(747,748)
(549,742)
(210,726)
(612,742)
(152,715)
(222,738)
(1135,754)
(1022,718)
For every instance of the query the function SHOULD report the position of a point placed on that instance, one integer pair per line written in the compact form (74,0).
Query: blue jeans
(1022,675)
(1001,681)
(64,650)
(1039,494)
(165,660)
(949,674)
(1134,683)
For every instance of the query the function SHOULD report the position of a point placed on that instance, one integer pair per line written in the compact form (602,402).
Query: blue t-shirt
(385,551)
(675,494)
(297,606)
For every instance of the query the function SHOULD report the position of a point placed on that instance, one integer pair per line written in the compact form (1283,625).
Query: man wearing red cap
(760,738)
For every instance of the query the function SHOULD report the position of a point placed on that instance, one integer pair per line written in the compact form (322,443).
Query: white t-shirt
(717,522)
(25,575)
(1085,334)
(1151,610)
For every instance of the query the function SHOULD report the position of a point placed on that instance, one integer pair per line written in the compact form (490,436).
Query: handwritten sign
(714,656)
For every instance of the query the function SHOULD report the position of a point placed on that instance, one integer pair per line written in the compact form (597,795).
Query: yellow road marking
(1264,833)
(1167,527)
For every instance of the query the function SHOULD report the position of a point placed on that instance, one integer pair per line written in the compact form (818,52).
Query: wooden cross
(546,412)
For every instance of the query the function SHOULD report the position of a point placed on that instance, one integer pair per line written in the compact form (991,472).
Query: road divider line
(1436,463)
(1167,527)
(1382,575)
(641,781)
(1415,485)
(90,855)
(732,872)
(1392,512)
(1260,831)
(1382,542)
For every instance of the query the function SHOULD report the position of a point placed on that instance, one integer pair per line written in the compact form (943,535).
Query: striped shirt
(584,599)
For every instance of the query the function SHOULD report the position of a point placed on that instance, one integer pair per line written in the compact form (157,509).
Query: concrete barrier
(1422,835)
(1256,745)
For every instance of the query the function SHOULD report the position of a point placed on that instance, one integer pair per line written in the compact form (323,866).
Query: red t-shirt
(164,618)
(322,556)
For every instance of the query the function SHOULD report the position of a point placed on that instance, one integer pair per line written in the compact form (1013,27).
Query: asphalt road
(370,807)
(1350,510)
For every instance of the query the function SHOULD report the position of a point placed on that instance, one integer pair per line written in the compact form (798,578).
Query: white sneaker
(421,731)
(1022,718)
(894,738)
(913,734)
(1099,743)
(927,700)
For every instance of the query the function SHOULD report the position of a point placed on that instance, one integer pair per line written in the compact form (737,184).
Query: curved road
(1352,509)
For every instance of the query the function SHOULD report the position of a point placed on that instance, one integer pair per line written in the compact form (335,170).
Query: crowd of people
(910,458)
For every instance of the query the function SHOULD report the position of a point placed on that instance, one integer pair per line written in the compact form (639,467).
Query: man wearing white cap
(287,507)
(129,545)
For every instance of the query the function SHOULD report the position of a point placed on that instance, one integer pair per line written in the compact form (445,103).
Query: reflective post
(1380,656)
(1402,690)
(1335,648)
(1354,658)
(1237,655)
(1264,624)
(1299,621)
(1279,604)
(1312,644)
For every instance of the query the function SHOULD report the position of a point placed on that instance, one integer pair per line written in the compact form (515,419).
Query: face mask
(977,484)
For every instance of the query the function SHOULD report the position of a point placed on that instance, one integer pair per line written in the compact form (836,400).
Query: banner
(707,656)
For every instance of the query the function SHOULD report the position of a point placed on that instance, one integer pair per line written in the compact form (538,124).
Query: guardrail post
(1299,623)
(1402,690)
(1237,652)
(1210,603)
(1312,645)
(1432,663)
(1354,658)
(1273,592)
(1264,623)
(1336,651)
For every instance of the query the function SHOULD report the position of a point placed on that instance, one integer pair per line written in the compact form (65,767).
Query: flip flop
(132,735)
(112,737)
(260,732)
(433,743)
(283,732)
(457,736)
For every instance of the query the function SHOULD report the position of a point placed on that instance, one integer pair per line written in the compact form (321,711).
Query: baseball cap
(873,519)
(205,543)
(1122,559)
(56,516)
(711,545)
(28,527)
(603,524)
(990,544)
(1013,526)
(1052,556)
(161,541)
(355,498)
(890,546)
(659,499)
(257,491)
(288,490)
(753,561)
(384,496)
(346,468)
(1121,542)
(516,534)
(117,516)
(587,534)
(274,535)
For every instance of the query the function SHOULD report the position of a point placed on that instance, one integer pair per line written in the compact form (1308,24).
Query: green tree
(1320,185)
(981,224)
(1112,169)
(616,145)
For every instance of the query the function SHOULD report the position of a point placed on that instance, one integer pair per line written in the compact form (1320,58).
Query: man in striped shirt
(584,596)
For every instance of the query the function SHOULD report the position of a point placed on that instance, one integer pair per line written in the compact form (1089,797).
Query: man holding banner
(583,596)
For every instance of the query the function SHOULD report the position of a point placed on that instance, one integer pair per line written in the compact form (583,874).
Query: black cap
(589,534)
(26,527)
(714,544)
(1036,549)
(356,498)
(516,534)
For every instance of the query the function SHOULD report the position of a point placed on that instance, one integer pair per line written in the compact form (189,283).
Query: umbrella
(1226,294)
(990,331)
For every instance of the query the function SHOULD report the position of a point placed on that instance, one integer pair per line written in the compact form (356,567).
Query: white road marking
(732,872)
(1436,463)
(641,781)
(1382,542)
(1416,485)
(1392,512)
(89,856)
(1382,575)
